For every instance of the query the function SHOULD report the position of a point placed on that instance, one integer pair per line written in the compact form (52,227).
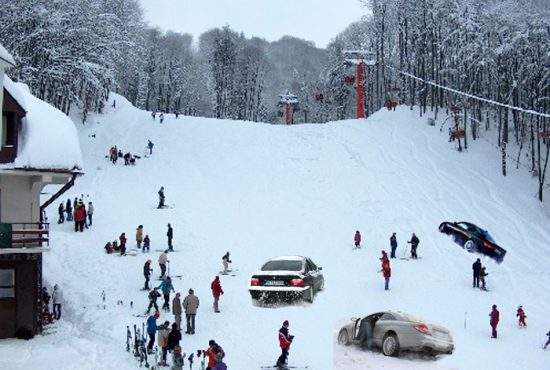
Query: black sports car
(473,239)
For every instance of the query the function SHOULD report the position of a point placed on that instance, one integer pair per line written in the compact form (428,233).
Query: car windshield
(488,236)
(282,265)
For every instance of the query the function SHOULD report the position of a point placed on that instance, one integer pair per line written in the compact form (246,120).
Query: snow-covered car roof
(288,258)
(6,57)
(48,139)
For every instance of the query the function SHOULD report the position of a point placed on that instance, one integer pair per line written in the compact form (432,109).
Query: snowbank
(48,139)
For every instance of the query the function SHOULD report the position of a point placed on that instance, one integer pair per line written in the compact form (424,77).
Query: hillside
(262,190)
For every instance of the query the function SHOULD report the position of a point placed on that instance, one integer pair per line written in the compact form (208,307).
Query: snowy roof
(48,139)
(287,258)
(6,57)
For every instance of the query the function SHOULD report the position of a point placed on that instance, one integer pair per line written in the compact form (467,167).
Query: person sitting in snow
(122,239)
(108,248)
(520,314)
(127,157)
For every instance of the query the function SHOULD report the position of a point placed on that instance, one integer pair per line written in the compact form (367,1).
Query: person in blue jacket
(152,330)
(166,286)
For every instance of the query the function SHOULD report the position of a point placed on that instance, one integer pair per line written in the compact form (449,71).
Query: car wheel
(343,338)
(390,345)
(470,246)
(309,294)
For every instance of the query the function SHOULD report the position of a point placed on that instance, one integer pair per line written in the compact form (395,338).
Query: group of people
(161,116)
(56,297)
(78,212)
(393,243)
(479,275)
(129,159)
(117,246)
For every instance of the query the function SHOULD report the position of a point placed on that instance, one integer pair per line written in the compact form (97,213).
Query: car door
(381,327)
(314,273)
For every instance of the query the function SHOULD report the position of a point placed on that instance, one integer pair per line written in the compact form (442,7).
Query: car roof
(287,258)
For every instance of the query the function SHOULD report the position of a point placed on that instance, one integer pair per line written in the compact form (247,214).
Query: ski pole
(465,315)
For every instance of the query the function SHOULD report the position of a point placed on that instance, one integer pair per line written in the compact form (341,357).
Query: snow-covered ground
(260,191)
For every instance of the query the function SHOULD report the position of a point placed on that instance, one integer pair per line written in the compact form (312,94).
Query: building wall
(19,198)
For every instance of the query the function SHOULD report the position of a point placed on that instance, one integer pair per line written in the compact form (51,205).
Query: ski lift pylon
(360,56)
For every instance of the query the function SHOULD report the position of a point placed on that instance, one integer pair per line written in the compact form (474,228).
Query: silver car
(397,331)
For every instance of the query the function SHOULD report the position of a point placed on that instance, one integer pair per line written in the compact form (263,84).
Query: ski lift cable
(458,92)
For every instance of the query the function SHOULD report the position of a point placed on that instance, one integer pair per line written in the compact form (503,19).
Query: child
(108,248)
(520,314)
(146,243)
(482,275)
(177,359)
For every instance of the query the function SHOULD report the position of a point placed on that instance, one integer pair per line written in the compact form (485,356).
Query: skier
(548,341)
(91,210)
(152,330)
(520,314)
(163,260)
(177,359)
(191,304)
(217,291)
(122,239)
(147,273)
(386,270)
(150,146)
(153,296)
(165,287)
(177,309)
(162,338)
(170,235)
(284,342)
(495,316)
(161,197)
(79,218)
(146,243)
(61,211)
(161,117)
(357,239)
(393,245)
(108,248)
(482,275)
(57,296)
(476,268)
(69,210)
(414,244)
(225,262)
(139,235)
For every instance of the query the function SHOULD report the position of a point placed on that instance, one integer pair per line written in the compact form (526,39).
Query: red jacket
(79,214)
(212,353)
(494,317)
(357,237)
(386,269)
(284,340)
(216,288)
(122,239)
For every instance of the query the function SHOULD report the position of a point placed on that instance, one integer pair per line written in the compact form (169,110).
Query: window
(387,316)
(7,283)
(311,266)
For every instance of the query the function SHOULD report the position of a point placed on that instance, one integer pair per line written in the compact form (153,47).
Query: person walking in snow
(191,305)
(153,114)
(495,317)
(357,239)
(69,210)
(548,341)
(225,262)
(162,339)
(139,235)
(91,210)
(153,296)
(393,245)
(285,340)
(161,117)
(163,260)
(520,314)
(174,337)
(414,244)
(147,273)
(177,309)
(165,287)
(122,239)
(146,243)
(482,275)
(217,291)
(79,217)
(57,297)
(386,270)
(61,211)
(150,146)
(170,235)
(476,270)
(161,197)
(152,330)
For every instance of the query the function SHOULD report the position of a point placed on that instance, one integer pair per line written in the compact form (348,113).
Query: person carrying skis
(146,243)
(57,297)
(170,235)
(357,239)
(150,146)
(61,211)
(165,287)
(161,197)
(191,305)
(152,330)
(414,244)
(393,245)
(520,314)
(386,270)
(495,317)
(147,273)
(217,291)
(163,260)
(153,296)
(285,339)
(225,262)
(69,210)
(162,338)
(139,235)
(177,309)
(91,210)
(476,269)
(122,239)
(548,341)
(482,275)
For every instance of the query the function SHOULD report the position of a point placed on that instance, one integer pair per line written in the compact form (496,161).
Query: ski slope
(262,190)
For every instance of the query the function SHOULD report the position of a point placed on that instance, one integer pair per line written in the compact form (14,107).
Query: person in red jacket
(79,217)
(386,270)
(520,314)
(495,316)
(214,353)
(284,342)
(357,239)
(122,239)
(216,292)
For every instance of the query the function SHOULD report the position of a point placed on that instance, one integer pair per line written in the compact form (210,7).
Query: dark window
(7,283)
(311,265)
(282,265)
(387,316)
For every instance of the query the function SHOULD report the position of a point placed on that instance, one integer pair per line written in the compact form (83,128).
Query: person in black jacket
(476,269)
(153,296)
(414,244)
(61,211)
(147,273)
(170,235)
(174,337)
(69,210)
(161,197)
(393,244)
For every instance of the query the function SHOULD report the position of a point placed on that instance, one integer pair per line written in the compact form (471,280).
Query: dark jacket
(69,206)
(495,317)
(147,269)
(146,241)
(393,241)
(61,209)
(170,232)
(476,267)
(174,338)
(414,240)
(153,295)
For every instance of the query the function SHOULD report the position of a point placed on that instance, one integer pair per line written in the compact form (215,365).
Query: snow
(48,139)
(287,258)
(5,56)
(262,190)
